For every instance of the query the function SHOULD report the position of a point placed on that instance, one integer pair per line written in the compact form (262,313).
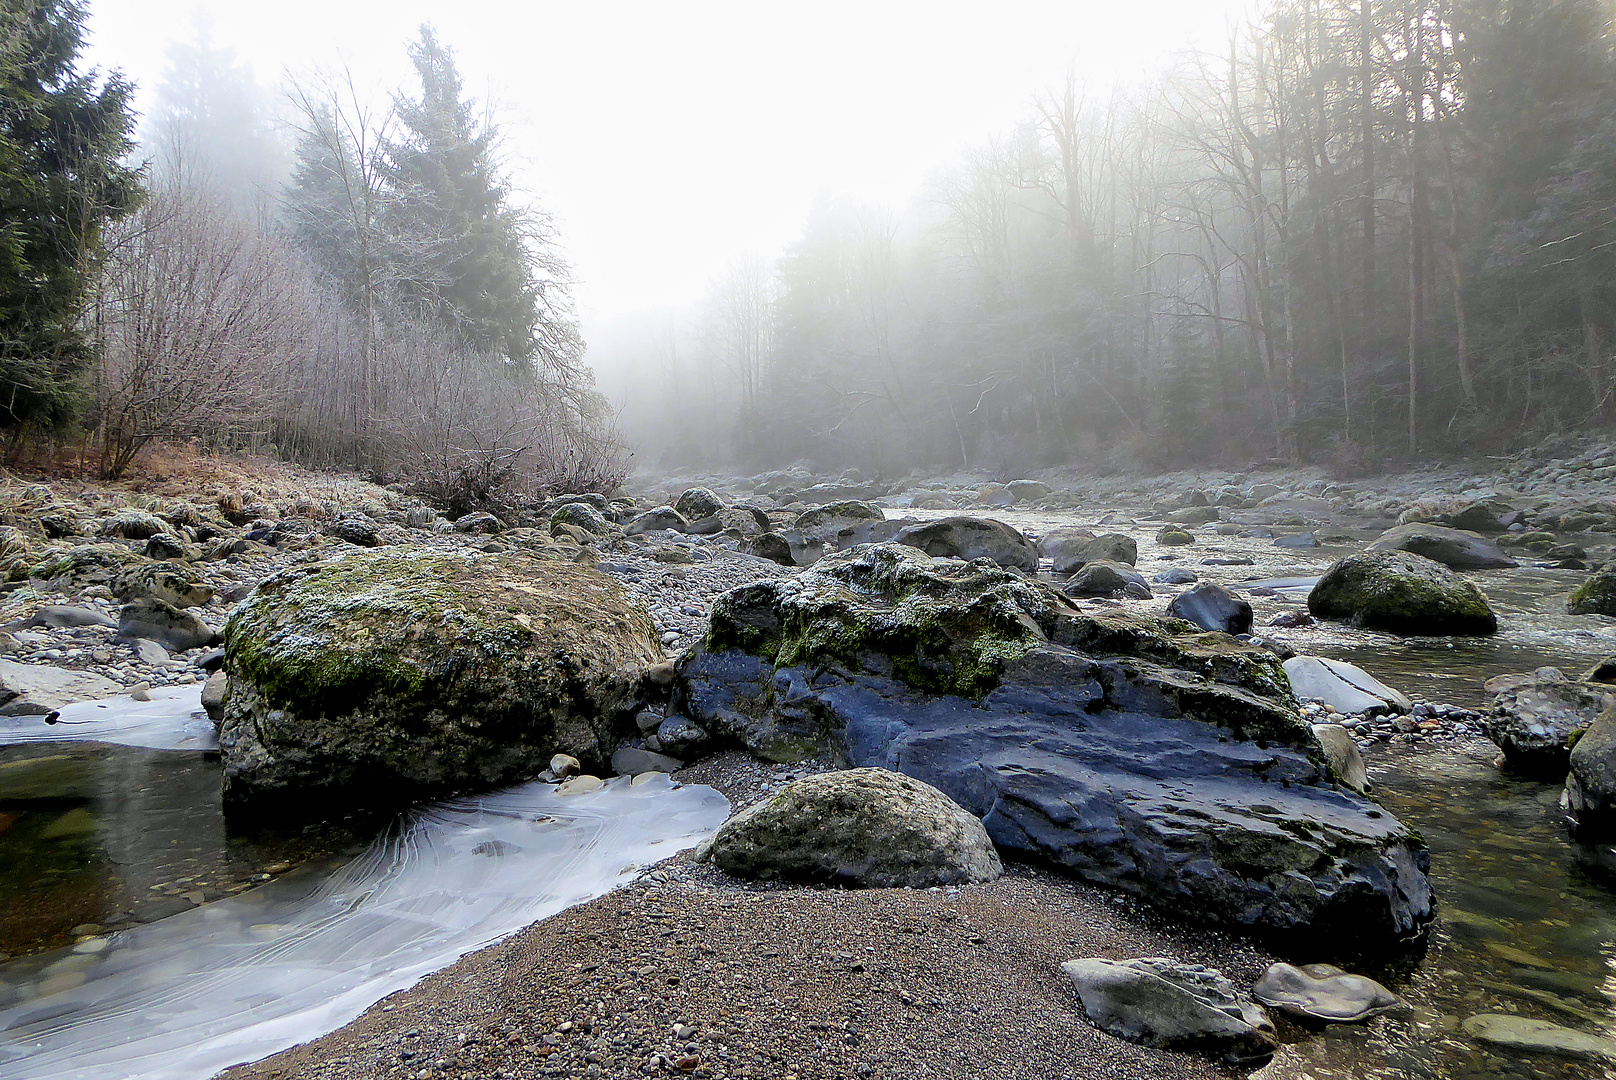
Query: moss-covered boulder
(131,525)
(583,516)
(1596,596)
(169,582)
(1135,752)
(1403,593)
(1174,537)
(86,564)
(386,676)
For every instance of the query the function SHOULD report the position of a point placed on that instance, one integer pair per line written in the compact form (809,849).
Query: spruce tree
(462,245)
(63,134)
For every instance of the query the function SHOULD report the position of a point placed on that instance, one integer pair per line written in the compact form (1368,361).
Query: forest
(339,282)
(1366,233)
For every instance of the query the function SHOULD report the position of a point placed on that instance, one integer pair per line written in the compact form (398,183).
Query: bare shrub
(195,314)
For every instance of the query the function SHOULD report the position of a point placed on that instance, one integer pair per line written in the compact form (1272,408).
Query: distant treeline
(1369,229)
(376,296)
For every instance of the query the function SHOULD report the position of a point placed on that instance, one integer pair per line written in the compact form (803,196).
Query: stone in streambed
(866,827)
(1107,578)
(1537,715)
(1524,1033)
(1172,765)
(175,629)
(1212,607)
(1064,548)
(390,675)
(1172,1006)
(663,517)
(631,761)
(1345,687)
(1453,548)
(972,538)
(36,689)
(1596,596)
(1171,537)
(1590,791)
(696,503)
(1346,760)
(1403,593)
(1324,992)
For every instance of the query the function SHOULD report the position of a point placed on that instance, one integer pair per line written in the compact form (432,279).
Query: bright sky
(668,139)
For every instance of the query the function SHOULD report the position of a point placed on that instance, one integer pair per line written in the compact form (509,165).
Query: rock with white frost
(1345,687)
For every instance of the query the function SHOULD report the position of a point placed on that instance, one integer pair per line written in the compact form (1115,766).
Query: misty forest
(1140,603)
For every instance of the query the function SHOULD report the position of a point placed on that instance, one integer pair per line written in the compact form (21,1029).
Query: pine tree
(62,135)
(469,259)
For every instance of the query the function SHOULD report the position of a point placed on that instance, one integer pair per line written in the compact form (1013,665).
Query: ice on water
(241,978)
(172,720)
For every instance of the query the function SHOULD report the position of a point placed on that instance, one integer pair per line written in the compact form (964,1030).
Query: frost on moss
(1403,593)
(946,628)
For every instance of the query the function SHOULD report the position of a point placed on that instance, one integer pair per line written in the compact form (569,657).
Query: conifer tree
(63,134)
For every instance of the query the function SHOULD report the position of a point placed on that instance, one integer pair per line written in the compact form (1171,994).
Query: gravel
(678,976)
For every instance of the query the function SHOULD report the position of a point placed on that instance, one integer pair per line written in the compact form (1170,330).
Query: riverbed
(119,855)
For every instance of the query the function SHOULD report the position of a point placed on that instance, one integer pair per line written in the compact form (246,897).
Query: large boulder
(838,526)
(1538,715)
(866,827)
(1403,593)
(1064,547)
(386,676)
(1453,548)
(972,538)
(1596,596)
(1107,547)
(1172,1006)
(1172,765)
(581,515)
(1212,607)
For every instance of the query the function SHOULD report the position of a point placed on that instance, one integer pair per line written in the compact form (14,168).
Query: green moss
(1174,538)
(1596,596)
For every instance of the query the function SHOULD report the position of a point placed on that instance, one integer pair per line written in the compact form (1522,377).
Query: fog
(669,140)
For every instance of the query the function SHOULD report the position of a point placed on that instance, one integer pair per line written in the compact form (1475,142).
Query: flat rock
(1172,1006)
(1524,1033)
(1324,992)
(1345,687)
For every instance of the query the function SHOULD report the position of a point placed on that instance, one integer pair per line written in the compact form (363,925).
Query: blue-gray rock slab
(390,675)
(1126,749)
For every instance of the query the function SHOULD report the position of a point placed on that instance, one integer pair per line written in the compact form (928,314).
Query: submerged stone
(1524,1033)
